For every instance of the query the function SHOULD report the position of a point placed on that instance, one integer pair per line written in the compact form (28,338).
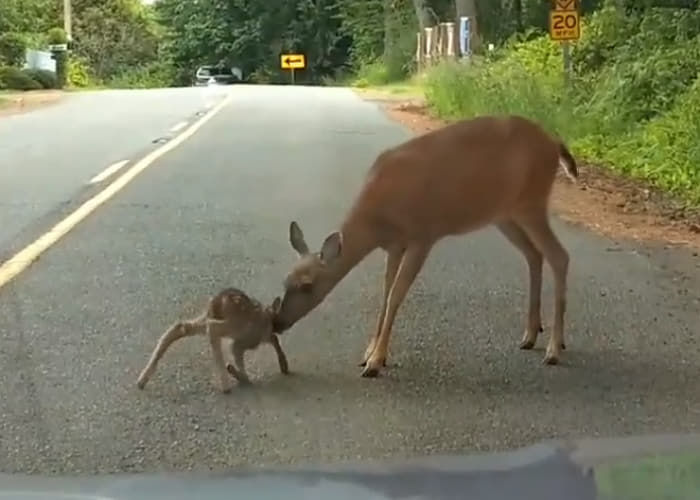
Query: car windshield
(240,234)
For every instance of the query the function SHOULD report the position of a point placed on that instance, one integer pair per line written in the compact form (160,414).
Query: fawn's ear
(331,248)
(276,304)
(296,238)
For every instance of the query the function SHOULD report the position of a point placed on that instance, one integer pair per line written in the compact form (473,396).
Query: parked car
(217,75)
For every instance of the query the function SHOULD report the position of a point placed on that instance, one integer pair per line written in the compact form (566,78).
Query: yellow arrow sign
(292,61)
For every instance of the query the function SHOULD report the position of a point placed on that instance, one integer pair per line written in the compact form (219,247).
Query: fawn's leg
(238,370)
(411,264)
(393,259)
(177,331)
(537,227)
(281,357)
(533,256)
(217,330)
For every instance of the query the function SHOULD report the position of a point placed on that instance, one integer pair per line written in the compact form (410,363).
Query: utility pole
(67,19)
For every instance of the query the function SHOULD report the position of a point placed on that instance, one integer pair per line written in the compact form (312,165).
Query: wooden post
(420,51)
(566,56)
(428,46)
(450,38)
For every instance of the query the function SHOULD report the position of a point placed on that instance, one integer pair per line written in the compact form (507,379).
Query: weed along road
(213,210)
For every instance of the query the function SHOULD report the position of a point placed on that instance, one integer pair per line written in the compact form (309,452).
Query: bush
(527,80)
(372,73)
(47,79)
(78,74)
(12,78)
(666,150)
(632,103)
(56,36)
(153,75)
(13,47)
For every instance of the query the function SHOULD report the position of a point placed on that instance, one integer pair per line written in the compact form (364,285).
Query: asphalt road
(79,325)
(49,156)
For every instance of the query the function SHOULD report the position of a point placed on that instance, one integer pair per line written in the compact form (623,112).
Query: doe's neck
(358,241)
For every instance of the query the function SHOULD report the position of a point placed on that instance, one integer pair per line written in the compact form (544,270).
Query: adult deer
(471,174)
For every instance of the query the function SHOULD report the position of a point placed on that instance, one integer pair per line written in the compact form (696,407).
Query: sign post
(465,46)
(565,26)
(292,62)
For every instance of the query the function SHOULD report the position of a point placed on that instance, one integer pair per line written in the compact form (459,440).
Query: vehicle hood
(548,470)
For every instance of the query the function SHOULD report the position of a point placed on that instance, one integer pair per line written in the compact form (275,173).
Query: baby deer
(233,314)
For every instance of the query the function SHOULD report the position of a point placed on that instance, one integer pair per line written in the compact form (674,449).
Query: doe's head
(310,279)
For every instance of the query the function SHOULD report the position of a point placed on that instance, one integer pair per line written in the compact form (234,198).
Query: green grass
(654,478)
(632,109)
(411,87)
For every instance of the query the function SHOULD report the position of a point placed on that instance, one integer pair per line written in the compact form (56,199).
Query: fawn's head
(310,279)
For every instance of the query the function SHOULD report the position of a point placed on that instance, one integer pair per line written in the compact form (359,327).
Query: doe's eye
(306,287)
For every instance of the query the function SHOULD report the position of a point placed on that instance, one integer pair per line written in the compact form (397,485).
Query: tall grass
(632,103)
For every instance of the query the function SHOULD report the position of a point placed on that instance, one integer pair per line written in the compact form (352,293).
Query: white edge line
(108,171)
(24,258)
(178,126)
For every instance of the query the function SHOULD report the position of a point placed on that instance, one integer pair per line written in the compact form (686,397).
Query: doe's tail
(568,163)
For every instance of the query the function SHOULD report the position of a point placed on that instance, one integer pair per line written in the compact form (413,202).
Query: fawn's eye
(306,287)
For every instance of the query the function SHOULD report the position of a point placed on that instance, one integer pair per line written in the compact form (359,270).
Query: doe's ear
(296,238)
(332,247)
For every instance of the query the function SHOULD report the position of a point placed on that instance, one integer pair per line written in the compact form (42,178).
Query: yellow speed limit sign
(564,25)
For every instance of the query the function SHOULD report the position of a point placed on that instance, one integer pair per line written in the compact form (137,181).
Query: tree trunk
(518,15)
(468,8)
(387,29)
(422,8)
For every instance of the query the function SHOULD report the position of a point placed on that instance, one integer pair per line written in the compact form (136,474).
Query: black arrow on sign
(290,60)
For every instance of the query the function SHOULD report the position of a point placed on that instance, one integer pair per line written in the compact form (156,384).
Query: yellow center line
(23,259)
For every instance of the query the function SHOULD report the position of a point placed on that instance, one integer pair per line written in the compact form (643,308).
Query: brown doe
(474,173)
(229,314)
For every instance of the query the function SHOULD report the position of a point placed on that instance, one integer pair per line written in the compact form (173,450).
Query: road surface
(51,155)
(79,324)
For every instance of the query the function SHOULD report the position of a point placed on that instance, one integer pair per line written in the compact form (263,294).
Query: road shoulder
(12,103)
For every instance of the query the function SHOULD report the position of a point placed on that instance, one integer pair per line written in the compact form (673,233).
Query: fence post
(428,46)
(420,52)
(450,29)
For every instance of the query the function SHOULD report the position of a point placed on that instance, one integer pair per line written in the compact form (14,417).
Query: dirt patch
(602,201)
(21,102)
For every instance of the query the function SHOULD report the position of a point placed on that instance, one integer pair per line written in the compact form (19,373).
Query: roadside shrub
(372,73)
(12,78)
(526,80)
(632,102)
(153,75)
(47,79)
(665,150)
(13,47)
(78,73)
